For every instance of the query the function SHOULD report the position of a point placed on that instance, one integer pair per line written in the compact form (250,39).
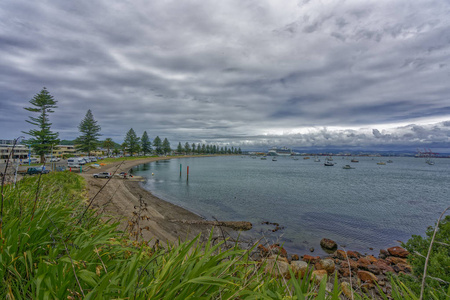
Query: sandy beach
(125,201)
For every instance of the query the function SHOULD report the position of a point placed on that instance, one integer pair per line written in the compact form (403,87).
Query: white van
(75,162)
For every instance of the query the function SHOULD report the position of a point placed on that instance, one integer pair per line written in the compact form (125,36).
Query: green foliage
(438,274)
(187,148)
(42,138)
(158,145)
(166,146)
(179,148)
(146,145)
(131,142)
(108,144)
(90,132)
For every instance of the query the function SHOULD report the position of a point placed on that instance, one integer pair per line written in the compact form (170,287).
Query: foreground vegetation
(51,247)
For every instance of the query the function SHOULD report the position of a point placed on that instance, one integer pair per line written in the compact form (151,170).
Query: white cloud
(253,72)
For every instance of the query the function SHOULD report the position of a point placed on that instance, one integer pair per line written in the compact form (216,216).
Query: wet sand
(124,200)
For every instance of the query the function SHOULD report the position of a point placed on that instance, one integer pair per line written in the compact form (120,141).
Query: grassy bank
(51,247)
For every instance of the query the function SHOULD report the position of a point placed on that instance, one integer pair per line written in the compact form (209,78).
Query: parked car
(102,175)
(55,159)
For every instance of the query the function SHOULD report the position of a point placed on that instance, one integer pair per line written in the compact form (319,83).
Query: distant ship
(280,151)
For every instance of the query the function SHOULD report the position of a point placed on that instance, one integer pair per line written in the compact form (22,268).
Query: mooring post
(180,169)
(187,178)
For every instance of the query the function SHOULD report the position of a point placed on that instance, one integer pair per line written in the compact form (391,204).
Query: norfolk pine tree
(42,138)
(146,145)
(90,131)
(166,146)
(132,142)
(179,148)
(158,145)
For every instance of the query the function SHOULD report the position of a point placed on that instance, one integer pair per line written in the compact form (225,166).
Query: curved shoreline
(126,201)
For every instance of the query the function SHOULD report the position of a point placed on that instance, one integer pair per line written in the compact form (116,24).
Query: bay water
(367,208)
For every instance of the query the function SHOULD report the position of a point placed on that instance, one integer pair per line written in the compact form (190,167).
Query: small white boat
(274,159)
(347,167)
(316,159)
(328,163)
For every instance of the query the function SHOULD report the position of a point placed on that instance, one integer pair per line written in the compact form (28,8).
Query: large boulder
(328,244)
(398,252)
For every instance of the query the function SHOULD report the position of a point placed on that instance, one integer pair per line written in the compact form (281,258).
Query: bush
(438,273)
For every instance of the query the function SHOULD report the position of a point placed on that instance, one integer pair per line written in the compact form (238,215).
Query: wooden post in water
(180,169)
(187,178)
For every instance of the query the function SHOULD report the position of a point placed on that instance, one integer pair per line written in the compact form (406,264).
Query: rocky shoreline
(361,272)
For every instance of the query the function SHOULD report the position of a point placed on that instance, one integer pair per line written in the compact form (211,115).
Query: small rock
(340,254)
(299,268)
(398,251)
(294,257)
(277,268)
(383,266)
(263,250)
(328,244)
(395,260)
(277,250)
(311,249)
(383,254)
(353,264)
(363,263)
(326,264)
(373,269)
(354,254)
(371,258)
(318,275)
(310,259)
(347,290)
(366,276)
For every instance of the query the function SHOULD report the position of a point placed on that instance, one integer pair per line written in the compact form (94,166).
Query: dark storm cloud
(253,73)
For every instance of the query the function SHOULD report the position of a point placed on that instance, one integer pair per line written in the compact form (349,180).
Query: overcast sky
(250,73)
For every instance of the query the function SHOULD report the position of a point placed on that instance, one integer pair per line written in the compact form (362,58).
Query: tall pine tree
(131,142)
(146,145)
(43,139)
(90,131)
(166,146)
(158,145)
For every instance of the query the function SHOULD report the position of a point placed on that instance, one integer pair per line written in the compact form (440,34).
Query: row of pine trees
(43,139)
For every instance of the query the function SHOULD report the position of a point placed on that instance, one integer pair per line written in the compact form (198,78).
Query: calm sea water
(371,206)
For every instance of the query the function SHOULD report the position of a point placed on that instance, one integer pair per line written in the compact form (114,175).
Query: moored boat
(347,167)
(381,163)
(328,163)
